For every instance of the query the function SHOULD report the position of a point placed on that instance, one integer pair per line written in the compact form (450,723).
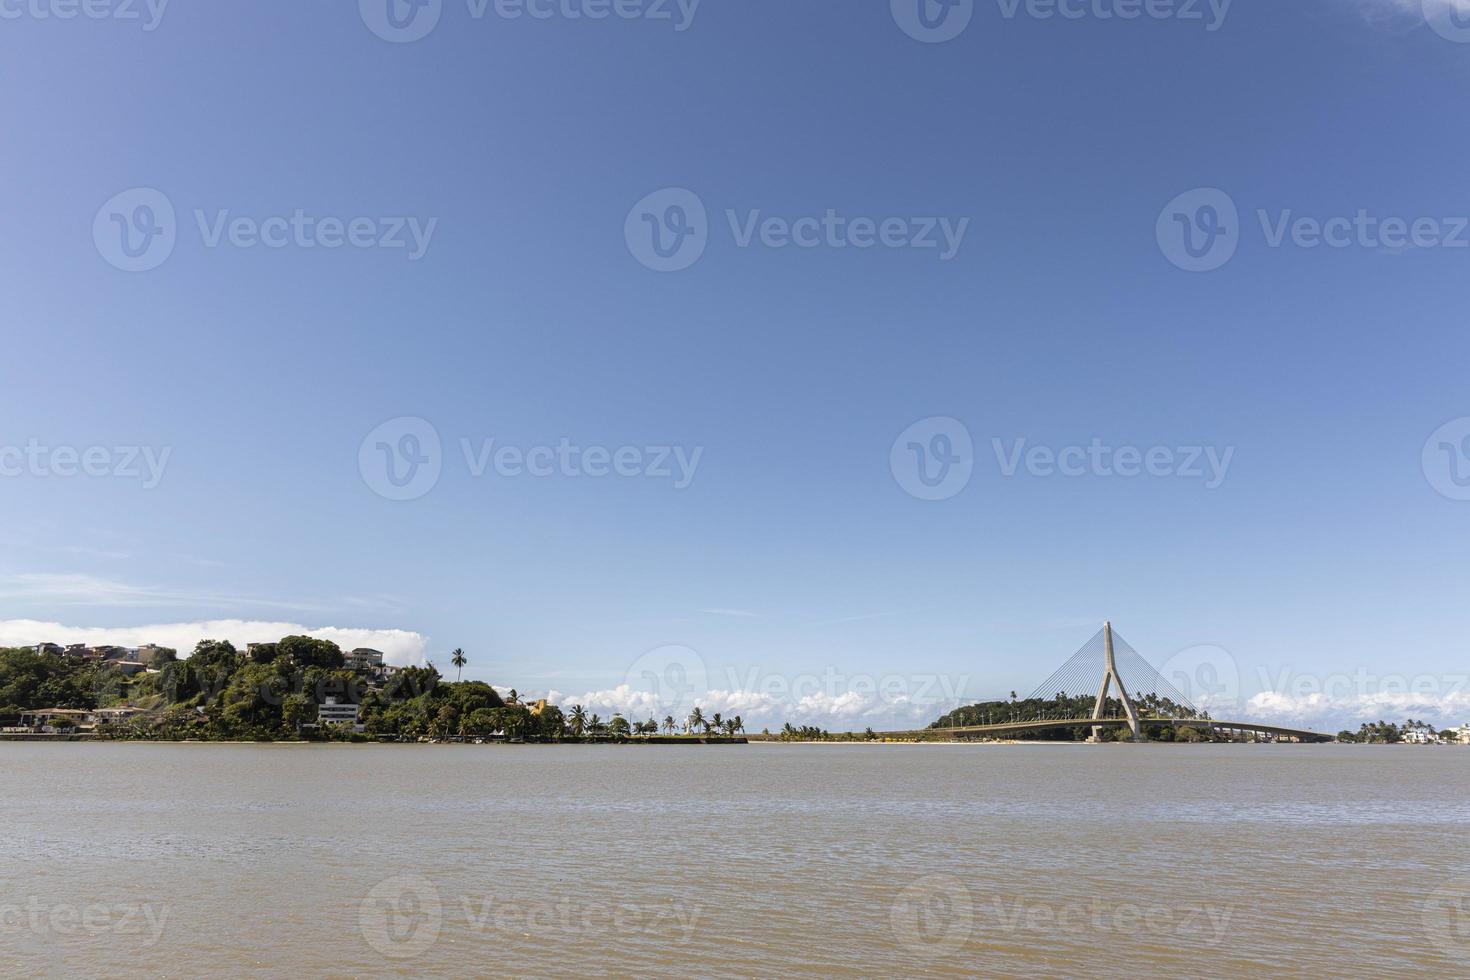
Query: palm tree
(717,722)
(512,697)
(458,659)
(578,719)
(594,724)
(739,723)
(696,719)
(669,724)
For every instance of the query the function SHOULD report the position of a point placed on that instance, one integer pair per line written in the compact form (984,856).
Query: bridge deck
(1055,723)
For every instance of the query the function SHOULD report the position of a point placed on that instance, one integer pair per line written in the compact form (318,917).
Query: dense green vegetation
(272,692)
(38,680)
(221,693)
(1387,733)
(1073,706)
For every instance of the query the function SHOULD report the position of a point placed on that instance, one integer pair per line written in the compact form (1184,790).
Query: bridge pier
(1110,674)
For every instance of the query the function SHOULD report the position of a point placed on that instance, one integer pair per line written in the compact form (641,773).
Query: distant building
(363,659)
(48,720)
(1421,735)
(54,649)
(334,712)
(152,653)
(108,652)
(1464,733)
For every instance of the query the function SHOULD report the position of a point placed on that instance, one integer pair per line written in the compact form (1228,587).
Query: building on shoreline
(51,720)
(333,711)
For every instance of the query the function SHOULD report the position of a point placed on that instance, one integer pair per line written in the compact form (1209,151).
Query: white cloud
(840,711)
(1321,711)
(398,646)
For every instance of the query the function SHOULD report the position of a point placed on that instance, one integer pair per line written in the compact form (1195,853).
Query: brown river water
(134,860)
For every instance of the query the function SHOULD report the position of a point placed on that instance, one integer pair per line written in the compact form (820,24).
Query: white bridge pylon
(1110,674)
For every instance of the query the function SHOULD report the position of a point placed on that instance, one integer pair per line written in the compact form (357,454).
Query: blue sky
(528,151)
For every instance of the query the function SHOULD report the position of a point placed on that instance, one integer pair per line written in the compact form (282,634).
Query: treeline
(1387,733)
(42,680)
(270,693)
(1065,706)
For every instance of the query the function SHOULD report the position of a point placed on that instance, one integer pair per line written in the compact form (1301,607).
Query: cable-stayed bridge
(1130,694)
